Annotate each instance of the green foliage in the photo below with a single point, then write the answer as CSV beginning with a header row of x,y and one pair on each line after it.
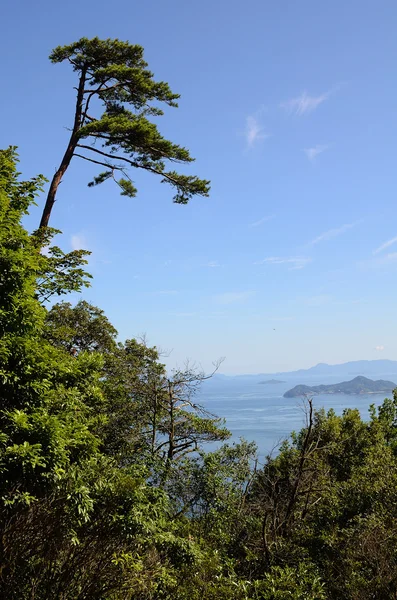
x,y
52,272
59,273
74,523
327,500
18,264
114,77
83,328
106,491
292,583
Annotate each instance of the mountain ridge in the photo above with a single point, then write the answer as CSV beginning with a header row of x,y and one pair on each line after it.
x,y
357,367
358,385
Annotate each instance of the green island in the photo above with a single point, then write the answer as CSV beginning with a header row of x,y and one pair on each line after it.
x,y
358,385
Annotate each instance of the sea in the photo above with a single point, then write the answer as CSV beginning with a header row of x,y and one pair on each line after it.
x,y
258,411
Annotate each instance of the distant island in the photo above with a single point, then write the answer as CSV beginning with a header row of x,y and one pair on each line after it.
x,y
375,369
271,381
358,385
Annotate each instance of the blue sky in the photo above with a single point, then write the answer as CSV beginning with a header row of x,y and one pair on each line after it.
x,y
290,109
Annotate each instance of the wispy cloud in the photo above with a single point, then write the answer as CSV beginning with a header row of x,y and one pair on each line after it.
x,y
213,264
261,221
254,131
386,259
331,233
378,262
304,104
78,241
311,153
379,348
233,297
385,245
295,262
389,258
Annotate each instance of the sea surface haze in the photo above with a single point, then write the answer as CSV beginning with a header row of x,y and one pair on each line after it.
x,y
258,411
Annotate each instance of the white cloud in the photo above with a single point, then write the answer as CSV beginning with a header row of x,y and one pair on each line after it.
x,y
311,153
331,233
304,104
387,259
379,348
254,131
213,264
79,242
233,297
295,262
385,245
392,257
261,221
380,261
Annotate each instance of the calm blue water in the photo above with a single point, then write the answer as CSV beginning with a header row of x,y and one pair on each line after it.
x,y
259,412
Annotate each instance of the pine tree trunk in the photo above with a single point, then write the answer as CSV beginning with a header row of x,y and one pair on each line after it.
x,y
74,138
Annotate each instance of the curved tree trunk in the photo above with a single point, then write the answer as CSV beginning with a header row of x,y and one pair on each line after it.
x,y
67,157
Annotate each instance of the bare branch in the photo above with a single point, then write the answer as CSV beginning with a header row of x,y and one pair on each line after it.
x,y
112,156
91,94
129,161
97,162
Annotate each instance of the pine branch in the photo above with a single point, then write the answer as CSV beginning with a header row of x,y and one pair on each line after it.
x,y
97,162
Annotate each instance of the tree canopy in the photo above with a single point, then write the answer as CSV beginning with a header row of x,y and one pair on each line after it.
x,y
107,488
107,492
117,99
79,515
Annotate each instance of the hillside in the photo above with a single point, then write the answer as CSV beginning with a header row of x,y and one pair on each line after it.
x,y
381,368
358,385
